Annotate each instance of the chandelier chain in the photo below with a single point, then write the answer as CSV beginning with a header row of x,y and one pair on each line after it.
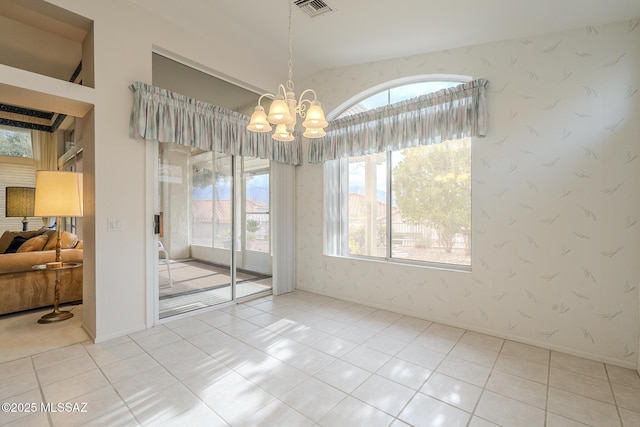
x,y
290,81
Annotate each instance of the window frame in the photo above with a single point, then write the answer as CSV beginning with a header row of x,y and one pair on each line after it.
x,y
336,176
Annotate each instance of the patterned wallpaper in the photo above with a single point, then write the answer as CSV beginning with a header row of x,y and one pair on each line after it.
x,y
556,244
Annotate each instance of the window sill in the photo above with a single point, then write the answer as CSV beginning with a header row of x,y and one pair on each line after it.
x,y
28,161
408,263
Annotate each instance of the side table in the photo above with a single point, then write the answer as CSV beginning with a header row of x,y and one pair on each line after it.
x,y
56,315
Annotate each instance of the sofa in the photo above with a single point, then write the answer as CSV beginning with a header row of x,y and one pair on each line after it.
x,y
22,287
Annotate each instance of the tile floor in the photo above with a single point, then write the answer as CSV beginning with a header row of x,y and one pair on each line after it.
x,y
26,337
308,360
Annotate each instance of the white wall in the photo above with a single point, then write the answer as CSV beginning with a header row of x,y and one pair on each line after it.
x,y
556,247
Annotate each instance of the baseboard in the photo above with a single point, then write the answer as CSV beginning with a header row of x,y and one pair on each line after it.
x,y
104,338
88,332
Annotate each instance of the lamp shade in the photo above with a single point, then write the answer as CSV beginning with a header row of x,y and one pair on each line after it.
x,y
258,122
58,193
315,117
282,134
314,133
279,113
19,201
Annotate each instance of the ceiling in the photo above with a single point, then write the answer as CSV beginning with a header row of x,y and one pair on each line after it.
x,y
361,31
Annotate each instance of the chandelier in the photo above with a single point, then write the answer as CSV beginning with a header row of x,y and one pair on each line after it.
x,y
285,108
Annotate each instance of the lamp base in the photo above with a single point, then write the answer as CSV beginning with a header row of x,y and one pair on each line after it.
x,y
55,316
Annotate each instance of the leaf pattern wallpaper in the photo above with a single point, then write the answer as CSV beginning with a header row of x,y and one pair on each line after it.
x,y
556,243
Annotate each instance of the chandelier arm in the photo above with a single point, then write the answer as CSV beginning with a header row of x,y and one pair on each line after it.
x,y
315,97
282,88
302,103
268,95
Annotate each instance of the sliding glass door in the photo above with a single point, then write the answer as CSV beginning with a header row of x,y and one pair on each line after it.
x,y
214,243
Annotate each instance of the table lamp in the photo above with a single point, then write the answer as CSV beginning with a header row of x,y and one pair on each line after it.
x,y
59,194
19,203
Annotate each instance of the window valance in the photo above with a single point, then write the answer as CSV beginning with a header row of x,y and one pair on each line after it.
x,y
160,115
452,113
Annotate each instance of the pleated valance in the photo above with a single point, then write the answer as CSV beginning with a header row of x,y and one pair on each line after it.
x,y
452,113
163,116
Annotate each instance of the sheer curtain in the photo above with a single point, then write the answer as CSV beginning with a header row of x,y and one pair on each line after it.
x,y
161,115
452,113
44,158
336,195
284,216
44,150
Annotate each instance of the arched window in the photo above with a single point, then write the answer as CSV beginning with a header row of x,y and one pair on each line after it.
x,y
411,205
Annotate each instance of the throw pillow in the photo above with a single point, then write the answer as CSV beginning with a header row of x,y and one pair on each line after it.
x,y
34,244
8,237
15,244
67,240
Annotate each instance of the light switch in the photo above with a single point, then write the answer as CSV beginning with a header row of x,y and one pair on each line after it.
x,y
114,224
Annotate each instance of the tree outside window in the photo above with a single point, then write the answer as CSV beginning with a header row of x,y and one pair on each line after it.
x,y
15,143
432,189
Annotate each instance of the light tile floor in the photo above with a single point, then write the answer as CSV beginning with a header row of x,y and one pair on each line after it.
x,y
308,360
21,335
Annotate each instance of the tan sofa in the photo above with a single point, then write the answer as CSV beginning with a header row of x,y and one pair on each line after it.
x,y
22,287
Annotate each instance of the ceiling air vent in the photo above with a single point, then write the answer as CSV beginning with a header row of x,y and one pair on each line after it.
x,y
313,7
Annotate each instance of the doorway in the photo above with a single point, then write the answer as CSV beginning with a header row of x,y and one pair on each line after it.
x,y
214,236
